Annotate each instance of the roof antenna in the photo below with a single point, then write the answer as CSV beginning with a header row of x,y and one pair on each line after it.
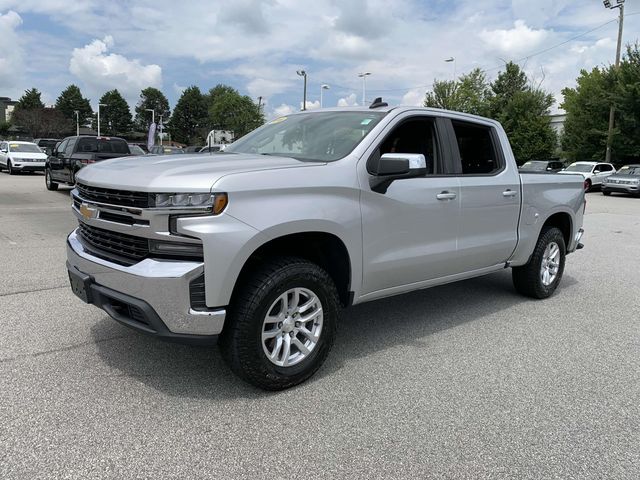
x,y
378,103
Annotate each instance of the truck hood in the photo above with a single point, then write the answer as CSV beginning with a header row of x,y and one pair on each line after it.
x,y
178,173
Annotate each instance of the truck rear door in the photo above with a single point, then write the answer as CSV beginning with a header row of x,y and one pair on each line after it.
x,y
489,194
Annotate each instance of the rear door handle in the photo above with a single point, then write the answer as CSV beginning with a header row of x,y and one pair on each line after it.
x,y
446,196
509,193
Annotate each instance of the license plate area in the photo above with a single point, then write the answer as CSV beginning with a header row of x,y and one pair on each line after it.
x,y
80,285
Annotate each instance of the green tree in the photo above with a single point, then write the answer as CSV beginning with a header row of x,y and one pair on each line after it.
x,y
154,99
29,100
523,111
70,101
189,119
228,110
115,117
468,94
587,106
626,97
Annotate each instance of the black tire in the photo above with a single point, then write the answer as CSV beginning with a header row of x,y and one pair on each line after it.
x,y
606,194
10,168
527,278
587,185
50,184
241,339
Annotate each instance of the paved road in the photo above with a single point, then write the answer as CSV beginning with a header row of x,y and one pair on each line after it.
x,y
463,381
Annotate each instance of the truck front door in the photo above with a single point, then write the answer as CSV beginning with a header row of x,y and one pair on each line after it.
x,y
410,231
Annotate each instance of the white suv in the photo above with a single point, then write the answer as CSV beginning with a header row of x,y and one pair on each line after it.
x,y
594,173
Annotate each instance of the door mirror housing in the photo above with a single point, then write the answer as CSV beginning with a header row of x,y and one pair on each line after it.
x,y
396,166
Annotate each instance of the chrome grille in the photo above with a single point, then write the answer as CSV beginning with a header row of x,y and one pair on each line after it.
x,y
125,198
114,246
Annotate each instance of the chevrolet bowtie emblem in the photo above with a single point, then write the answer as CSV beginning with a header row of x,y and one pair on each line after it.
x,y
88,211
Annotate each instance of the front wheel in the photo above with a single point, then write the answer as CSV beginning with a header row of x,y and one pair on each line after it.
x,y
50,184
540,277
281,324
10,168
587,185
606,194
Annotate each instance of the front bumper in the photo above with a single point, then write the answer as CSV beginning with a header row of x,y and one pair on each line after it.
x,y
621,188
28,166
151,296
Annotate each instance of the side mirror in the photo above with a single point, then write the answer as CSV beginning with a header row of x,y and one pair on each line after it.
x,y
596,171
395,166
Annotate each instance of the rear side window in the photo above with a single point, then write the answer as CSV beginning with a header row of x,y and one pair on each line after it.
x,y
477,151
604,167
102,145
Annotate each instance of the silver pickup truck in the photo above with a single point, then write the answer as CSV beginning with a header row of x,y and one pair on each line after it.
x,y
260,246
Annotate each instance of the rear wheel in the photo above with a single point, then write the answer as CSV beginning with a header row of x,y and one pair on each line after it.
x,y
540,277
606,194
50,184
281,324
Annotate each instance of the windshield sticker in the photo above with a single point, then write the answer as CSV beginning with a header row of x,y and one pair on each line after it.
x,y
366,121
14,145
277,120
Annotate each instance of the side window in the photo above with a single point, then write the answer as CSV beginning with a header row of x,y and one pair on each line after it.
x,y
70,146
62,146
3,146
415,135
477,151
605,168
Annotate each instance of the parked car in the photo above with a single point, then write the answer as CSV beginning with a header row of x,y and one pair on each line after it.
x,y
74,153
593,173
142,146
625,180
136,150
541,166
307,214
21,157
46,144
166,150
212,148
193,149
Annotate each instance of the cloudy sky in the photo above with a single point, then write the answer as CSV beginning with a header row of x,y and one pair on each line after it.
x,y
257,46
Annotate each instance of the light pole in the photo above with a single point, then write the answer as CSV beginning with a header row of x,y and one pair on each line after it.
x,y
303,74
364,76
77,122
450,60
620,5
100,105
153,120
323,87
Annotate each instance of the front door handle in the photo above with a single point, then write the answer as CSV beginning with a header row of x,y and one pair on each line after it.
x,y
446,196
509,193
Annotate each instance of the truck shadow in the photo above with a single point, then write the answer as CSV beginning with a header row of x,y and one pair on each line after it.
x,y
405,320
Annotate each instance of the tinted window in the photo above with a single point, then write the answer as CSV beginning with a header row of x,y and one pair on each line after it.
x,y
477,153
102,145
62,146
605,168
416,135
69,148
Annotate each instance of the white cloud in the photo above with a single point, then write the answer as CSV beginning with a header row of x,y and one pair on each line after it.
x,y
102,71
312,105
348,101
414,97
520,39
283,110
178,88
11,55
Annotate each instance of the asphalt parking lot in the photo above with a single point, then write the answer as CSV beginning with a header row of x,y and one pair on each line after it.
x,y
468,380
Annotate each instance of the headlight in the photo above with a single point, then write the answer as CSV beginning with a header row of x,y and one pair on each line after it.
x,y
215,203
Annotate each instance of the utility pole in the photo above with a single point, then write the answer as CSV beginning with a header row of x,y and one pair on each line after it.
x,y
77,122
619,5
260,103
364,76
100,105
323,87
303,74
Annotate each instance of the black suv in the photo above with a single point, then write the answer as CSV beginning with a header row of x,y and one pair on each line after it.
x,y
73,153
47,145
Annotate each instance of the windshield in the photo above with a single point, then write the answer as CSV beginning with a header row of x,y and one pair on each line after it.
x,y
629,170
537,166
320,136
136,150
47,143
102,145
24,147
576,167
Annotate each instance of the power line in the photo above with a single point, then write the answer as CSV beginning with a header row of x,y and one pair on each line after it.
x,y
534,54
